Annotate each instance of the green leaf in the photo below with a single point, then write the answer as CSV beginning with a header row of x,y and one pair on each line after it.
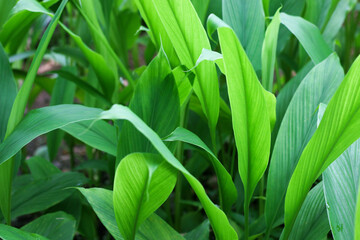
x,y
41,194
18,109
8,91
6,7
157,32
338,129
101,200
201,7
50,118
285,96
41,168
188,37
312,221
201,232
228,194
240,15
308,35
55,226
100,135
247,102
357,216
341,181
63,93
268,54
297,127
12,233
142,184
162,115
336,17
97,61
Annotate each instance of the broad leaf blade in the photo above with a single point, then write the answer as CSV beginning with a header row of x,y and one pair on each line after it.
x,y
240,15
338,129
312,221
341,181
308,35
142,184
55,226
183,26
297,127
228,194
247,102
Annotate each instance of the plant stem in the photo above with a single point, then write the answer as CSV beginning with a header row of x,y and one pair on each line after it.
x,y
246,215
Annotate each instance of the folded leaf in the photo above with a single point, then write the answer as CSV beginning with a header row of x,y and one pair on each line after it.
x,y
142,184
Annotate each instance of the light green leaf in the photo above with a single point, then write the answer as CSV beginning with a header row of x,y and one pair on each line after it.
x,y
268,54
297,127
12,233
247,102
18,109
157,32
228,194
50,118
188,37
201,7
338,129
247,19
162,115
308,35
154,228
55,226
142,184
341,181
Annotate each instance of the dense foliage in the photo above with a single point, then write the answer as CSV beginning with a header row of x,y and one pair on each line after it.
x,y
179,119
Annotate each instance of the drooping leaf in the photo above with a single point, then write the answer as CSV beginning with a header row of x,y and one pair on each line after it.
x,y
53,117
18,109
247,102
338,129
308,35
142,184
240,15
228,194
54,226
297,127
100,134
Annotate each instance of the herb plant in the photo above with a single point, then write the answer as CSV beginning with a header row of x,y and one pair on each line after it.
x,y
179,119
